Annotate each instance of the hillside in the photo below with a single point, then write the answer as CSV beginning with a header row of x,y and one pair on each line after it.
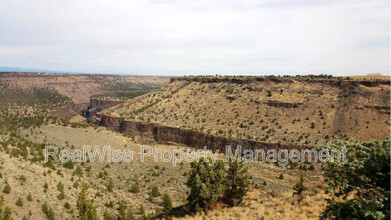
x,y
257,110
79,87
300,111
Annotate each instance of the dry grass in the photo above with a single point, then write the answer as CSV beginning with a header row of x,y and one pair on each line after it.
x,y
171,180
77,87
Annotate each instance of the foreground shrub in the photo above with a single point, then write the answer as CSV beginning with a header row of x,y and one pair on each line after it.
x,y
7,189
155,192
236,184
205,182
364,177
86,208
167,203
5,212
48,211
299,187
19,202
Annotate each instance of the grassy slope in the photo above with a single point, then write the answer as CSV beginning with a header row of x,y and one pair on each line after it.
x,y
240,111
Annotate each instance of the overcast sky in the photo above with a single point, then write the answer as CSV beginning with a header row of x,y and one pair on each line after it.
x,y
182,37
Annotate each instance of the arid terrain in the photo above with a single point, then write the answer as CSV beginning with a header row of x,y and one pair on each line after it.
x,y
125,112
287,111
80,87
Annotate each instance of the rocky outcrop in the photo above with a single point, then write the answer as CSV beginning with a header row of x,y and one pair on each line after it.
x,y
282,104
167,134
100,104
380,109
97,105
246,80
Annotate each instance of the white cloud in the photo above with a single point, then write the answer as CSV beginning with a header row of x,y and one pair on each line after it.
x,y
183,37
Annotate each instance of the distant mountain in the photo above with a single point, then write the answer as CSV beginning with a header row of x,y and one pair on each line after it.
x,y
18,69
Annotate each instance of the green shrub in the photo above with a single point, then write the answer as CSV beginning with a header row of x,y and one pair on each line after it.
x,y
29,197
48,211
19,202
167,203
78,171
86,207
299,187
135,188
110,186
236,183
69,164
205,182
5,212
365,174
141,210
108,216
155,192
7,189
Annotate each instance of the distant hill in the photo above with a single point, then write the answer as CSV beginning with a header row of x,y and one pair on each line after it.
x,y
17,69
79,87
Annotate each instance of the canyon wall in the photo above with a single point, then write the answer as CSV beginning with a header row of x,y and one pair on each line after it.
x,y
167,134
97,105
100,104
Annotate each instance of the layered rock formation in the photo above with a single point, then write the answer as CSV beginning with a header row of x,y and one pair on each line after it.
x,y
167,134
332,82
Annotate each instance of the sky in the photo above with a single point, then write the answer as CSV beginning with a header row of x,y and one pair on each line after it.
x,y
184,37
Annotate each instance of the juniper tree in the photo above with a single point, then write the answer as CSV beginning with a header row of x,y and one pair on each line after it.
x,y
167,203
205,182
5,212
7,188
299,187
155,192
236,184
110,186
86,208
48,211
365,175
121,211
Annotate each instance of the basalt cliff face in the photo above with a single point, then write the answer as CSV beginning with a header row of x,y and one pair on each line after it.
x,y
97,105
100,104
332,82
167,134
